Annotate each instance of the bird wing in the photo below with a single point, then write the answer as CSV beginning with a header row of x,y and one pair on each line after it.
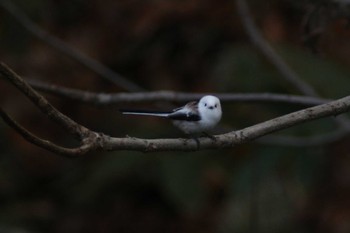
x,y
189,112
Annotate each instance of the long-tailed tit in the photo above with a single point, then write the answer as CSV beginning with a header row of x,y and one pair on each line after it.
x,y
194,117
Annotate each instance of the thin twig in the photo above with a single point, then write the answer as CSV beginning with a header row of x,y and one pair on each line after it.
x,y
47,145
265,48
103,99
70,51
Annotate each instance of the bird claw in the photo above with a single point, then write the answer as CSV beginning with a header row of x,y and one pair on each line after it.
x,y
197,142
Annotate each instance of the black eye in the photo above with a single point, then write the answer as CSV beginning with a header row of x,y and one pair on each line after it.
x,y
205,104
216,106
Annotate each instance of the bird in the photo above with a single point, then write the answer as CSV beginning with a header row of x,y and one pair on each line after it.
x,y
193,118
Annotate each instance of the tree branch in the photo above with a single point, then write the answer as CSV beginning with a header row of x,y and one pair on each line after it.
x,y
105,99
91,141
68,124
64,48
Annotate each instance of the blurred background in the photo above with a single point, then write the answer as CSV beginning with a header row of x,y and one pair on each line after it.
x,y
273,185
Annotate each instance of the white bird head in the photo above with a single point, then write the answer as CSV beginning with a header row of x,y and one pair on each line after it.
x,y
210,109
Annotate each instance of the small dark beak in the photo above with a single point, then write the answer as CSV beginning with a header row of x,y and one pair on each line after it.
x,y
211,107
